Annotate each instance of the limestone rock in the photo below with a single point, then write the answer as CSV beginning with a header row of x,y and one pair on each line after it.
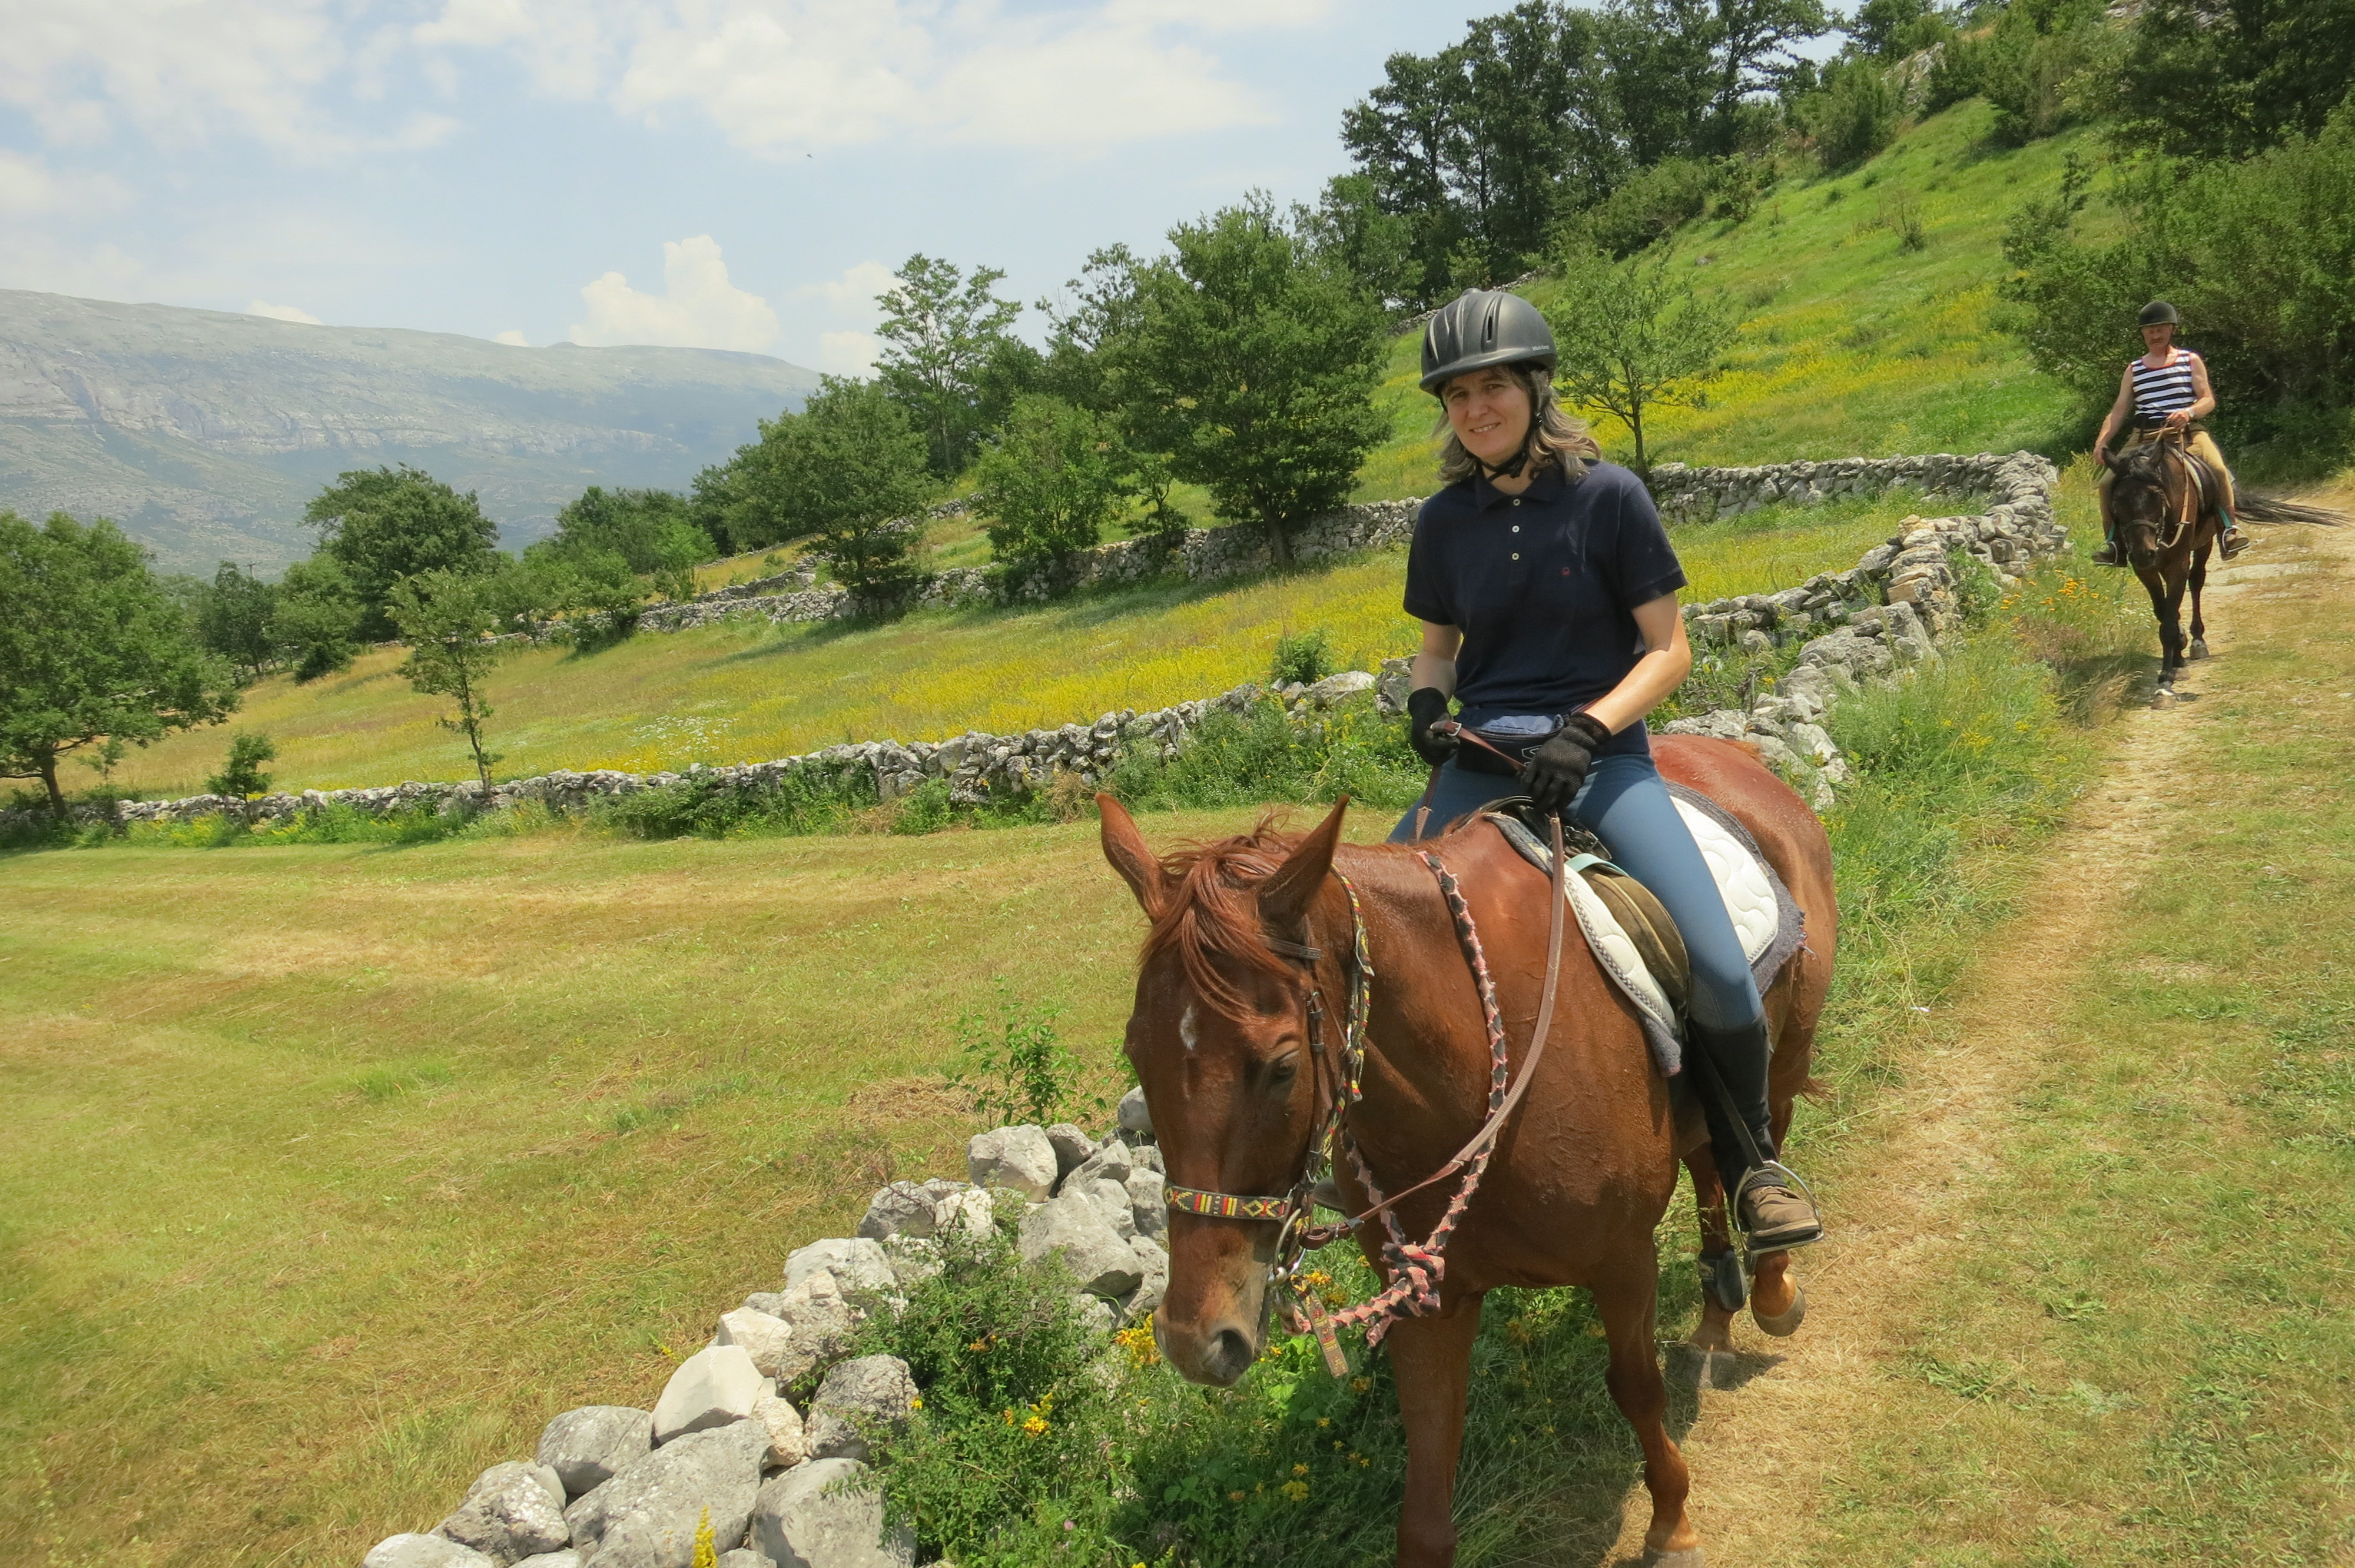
x,y
902,1209
645,1516
788,1446
967,1209
765,1338
713,1387
859,1265
1148,1208
1096,1313
565,1558
1333,688
509,1513
1153,1264
742,1557
822,1322
1071,1146
1112,1162
767,1301
1134,1115
859,1399
826,1514
1021,1158
585,1446
1111,1198
423,1552
1075,1230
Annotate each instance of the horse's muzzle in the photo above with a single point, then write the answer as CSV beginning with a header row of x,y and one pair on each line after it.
x,y
1217,1354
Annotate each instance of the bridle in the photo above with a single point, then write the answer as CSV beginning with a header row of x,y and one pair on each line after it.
x,y
1416,1269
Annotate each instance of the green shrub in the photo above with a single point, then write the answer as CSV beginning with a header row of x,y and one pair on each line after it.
x,y
1017,1069
1853,115
809,800
924,809
1303,656
1265,755
241,774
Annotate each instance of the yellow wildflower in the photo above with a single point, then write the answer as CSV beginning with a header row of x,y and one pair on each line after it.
x,y
1296,1491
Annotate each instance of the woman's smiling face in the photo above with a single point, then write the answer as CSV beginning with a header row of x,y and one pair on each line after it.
x,y
1490,412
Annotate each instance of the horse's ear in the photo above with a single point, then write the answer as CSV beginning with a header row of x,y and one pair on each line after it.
x,y
1284,896
1125,848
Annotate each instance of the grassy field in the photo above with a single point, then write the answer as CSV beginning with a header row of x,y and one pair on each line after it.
x,y
751,691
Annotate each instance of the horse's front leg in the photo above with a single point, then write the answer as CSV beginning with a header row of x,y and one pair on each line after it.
x,y
2198,581
1628,1297
2165,607
1432,1358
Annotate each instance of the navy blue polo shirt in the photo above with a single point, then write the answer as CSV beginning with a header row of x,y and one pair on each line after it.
x,y
1543,585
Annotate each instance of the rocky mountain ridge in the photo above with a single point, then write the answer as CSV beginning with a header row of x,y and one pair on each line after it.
x,y
204,433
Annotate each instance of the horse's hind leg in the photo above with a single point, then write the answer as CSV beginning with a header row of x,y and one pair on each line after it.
x,y
1722,1290
1626,1295
2198,581
1433,1357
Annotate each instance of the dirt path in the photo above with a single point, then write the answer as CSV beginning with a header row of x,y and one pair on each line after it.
x,y
1773,1439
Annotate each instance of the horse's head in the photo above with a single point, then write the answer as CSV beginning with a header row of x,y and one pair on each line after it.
x,y
2139,504
1220,1041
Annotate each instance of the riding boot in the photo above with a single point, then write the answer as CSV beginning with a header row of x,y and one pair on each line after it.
x,y
2234,541
2109,554
1769,1205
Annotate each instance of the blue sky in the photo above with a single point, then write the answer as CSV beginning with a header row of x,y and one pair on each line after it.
x,y
731,173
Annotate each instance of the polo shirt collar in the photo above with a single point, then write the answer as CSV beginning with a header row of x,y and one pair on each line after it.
x,y
1545,486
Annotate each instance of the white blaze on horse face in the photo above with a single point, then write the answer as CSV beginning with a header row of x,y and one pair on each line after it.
x,y
1186,1030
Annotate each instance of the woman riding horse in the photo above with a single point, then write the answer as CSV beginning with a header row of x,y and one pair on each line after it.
x,y
1547,589
2164,392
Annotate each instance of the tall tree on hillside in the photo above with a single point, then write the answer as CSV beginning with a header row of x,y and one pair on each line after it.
x,y
1634,336
233,619
314,623
943,334
651,531
1054,477
1252,361
448,620
386,524
92,650
2228,78
848,471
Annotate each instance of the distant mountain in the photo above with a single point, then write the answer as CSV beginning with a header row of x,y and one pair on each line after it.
x,y
204,433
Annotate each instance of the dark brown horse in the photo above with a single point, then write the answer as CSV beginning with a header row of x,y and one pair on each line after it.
x,y
1222,1038
2166,523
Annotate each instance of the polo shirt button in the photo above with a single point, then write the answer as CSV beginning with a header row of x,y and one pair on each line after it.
x,y
1517,554
1517,527
1517,501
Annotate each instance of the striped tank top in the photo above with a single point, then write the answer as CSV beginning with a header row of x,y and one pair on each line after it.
x,y
2159,393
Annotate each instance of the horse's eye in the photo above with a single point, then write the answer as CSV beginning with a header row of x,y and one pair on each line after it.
x,y
1284,1072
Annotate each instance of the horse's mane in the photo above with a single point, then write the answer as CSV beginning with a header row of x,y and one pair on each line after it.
x,y
1211,909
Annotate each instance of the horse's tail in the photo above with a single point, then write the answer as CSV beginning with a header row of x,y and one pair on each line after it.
x,y
2252,508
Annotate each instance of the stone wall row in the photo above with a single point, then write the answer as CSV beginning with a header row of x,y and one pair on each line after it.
x,y
1883,614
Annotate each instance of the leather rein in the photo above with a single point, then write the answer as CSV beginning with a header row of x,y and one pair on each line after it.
x,y
1416,1269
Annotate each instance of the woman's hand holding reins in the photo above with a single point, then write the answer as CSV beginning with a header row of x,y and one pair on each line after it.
x,y
1425,706
1559,767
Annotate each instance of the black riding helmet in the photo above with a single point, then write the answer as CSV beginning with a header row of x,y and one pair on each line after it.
x,y
1484,327
2158,313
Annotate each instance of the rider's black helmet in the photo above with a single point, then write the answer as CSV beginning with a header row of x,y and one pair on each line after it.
x,y
2158,313
1484,327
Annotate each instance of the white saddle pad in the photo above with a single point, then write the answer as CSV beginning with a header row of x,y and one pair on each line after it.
x,y
1742,882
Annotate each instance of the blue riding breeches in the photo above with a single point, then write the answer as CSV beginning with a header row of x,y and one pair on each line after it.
x,y
1624,803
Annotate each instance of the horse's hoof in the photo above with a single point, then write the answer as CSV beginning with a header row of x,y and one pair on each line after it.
x,y
2163,698
1783,1325
1690,1557
2199,649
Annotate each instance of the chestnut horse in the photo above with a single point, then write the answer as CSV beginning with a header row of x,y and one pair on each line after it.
x,y
2167,526
1222,1038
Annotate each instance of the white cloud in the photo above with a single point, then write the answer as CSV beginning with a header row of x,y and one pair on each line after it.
x,y
283,313
513,339
848,353
700,308
29,186
853,294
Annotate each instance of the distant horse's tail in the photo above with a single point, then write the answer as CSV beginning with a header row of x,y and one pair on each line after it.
x,y
2252,508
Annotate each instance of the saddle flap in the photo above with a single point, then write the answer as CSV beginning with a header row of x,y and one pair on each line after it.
x,y
1645,920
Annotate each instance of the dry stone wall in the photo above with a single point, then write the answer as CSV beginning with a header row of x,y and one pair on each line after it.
x,y
1881,615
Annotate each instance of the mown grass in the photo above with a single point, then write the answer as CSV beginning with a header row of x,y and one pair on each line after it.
x,y
747,690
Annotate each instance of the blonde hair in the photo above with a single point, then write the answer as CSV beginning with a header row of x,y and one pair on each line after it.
x,y
1554,436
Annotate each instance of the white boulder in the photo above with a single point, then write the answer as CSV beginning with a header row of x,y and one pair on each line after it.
x,y
714,1387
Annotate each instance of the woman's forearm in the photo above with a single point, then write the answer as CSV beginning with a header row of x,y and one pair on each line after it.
x,y
1431,670
1655,676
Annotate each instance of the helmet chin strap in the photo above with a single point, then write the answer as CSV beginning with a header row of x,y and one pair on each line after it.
x,y
1520,459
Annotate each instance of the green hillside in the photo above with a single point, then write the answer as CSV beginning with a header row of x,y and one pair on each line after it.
x,y
1855,346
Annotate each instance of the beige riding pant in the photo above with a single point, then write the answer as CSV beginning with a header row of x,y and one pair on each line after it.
x,y
2197,442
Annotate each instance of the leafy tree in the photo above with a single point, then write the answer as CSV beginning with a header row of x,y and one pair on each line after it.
x,y
1349,226
388,523
1894,29
2229,77
315,622
448,620
1633,336
943,334
651,531
233,617
91,649
1854,114
1251,361
1056,475
241,775
849,470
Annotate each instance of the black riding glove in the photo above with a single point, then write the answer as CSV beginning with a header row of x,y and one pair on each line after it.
x,y
1425,706
1559,767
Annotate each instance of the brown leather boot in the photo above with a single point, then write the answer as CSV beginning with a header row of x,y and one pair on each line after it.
x,y
2108,555
2233,542
1775,1214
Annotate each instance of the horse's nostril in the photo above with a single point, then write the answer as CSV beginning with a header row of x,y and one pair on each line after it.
x,y
1231,1354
